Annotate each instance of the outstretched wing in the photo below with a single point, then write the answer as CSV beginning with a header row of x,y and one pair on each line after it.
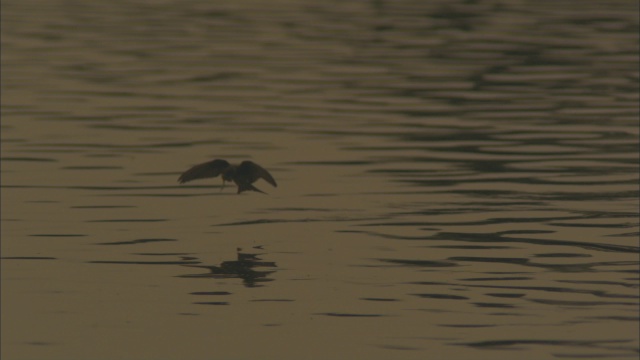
x,y
206,170
249,172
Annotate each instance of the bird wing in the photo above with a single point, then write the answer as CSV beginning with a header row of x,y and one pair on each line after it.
x,y
206,170
252,172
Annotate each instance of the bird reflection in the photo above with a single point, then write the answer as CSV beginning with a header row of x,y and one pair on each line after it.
x,y
242,268
243,175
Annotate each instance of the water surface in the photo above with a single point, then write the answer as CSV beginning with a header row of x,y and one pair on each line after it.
x,y
455,180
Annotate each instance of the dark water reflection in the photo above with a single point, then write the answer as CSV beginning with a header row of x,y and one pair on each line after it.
x,y
245,267
455,177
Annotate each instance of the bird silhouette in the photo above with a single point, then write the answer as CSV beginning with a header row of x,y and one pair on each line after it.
x,y
242,175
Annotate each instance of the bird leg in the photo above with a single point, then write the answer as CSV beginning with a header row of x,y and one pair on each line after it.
x,y
222,185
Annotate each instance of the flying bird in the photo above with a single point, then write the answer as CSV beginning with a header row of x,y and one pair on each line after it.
x,y
242,175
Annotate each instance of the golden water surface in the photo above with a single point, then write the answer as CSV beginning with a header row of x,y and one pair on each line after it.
x,y
456,179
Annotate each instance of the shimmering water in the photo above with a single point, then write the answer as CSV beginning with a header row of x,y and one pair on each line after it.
x,y
457,179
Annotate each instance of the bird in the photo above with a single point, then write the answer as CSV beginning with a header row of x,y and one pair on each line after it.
x,y
242,175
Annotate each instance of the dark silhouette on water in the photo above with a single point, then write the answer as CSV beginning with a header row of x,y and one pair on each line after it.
x,y
248,267
242,175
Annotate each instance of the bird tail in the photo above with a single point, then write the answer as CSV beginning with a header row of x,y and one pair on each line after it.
x,y
248,187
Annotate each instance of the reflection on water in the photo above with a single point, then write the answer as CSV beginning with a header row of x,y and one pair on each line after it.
x,y
456,178
242,268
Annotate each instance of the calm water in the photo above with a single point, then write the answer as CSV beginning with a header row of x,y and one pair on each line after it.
x,y
457,179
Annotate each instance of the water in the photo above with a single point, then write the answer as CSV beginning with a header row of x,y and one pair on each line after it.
x,y
456,180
